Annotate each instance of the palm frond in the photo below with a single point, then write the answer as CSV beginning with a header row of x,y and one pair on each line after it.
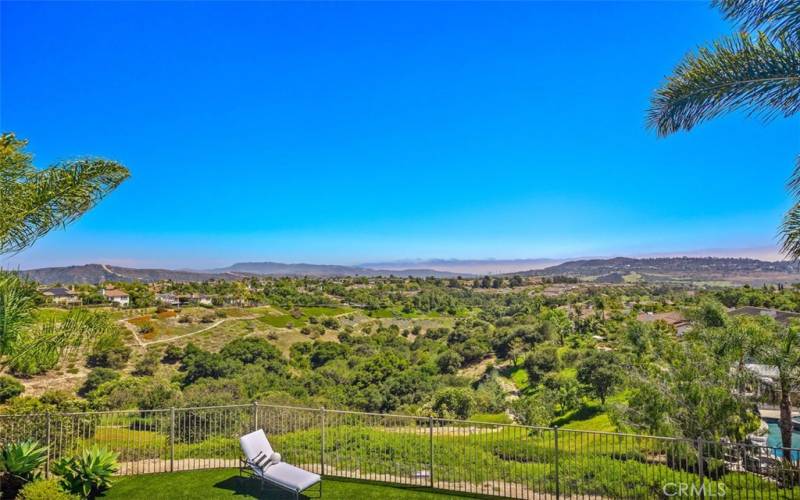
x,y
790,233
757,75
16,309
39,201
777,18
49,340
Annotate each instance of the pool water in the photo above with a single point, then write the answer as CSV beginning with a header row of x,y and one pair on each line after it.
x,y
774,439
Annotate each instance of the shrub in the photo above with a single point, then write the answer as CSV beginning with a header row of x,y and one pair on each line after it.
x,y
109,351
453,403
172,354
204,364
45,489
208,318
146,328
9,388
185,318
96,378
449,362
20,463
251,350
331,323
148,364
532,410
89,473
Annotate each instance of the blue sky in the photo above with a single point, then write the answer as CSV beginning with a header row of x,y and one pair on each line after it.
x,y
350,132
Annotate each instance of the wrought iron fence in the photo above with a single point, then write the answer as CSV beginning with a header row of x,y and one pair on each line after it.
x,y
504,460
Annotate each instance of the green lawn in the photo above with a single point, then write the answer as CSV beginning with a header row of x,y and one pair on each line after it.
x,y
226,483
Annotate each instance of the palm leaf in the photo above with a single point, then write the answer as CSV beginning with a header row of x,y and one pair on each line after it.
x,y
777,18
758,75
36,201
16,309
790,232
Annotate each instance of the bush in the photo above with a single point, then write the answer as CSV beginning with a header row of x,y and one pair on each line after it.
x,y
96,378
453,403
331,323
147,328
172,354
109,351
45,489
208,318
185,318
20,463
449,362
9,388
251,350
148,364
89,473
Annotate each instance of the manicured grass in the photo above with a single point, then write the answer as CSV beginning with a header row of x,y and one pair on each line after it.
x,y
226,483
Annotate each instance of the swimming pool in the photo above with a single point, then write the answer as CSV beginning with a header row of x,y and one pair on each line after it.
x,y
774,439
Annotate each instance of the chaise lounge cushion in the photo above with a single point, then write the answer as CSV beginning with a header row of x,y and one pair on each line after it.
x,y
289,476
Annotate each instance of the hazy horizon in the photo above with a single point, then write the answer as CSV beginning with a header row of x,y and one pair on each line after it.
x,y
488,265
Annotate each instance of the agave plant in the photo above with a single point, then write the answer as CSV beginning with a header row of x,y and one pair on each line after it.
x,y
20,463
89,473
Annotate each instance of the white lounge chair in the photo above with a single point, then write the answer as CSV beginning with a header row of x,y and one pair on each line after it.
x,y
266,465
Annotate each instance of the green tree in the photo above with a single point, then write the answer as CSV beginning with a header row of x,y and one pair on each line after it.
x,y
757,71
601,371
37,201
540,362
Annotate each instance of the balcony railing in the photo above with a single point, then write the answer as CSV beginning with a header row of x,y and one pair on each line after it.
x,y
504,460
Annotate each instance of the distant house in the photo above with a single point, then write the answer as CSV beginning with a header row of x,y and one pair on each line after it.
x,y
118,297
168,299
195,298
780,316
673,318
62,296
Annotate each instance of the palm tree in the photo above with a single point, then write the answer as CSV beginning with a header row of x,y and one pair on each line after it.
x,y
33,203
757,71
26,341
36,201
783,352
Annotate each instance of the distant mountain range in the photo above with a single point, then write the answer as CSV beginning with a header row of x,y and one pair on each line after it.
x,y
467,267
735,270
659,269
325,270
99,273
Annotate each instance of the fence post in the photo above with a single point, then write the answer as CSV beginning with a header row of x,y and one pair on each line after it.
x,y
255,415
700,466
172,439
47,464
430,437
558,483
322,440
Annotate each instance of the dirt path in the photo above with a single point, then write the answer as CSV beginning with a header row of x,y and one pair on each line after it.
x,y
133,330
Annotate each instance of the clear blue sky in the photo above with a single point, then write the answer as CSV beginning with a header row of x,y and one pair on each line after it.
x,y
348,132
